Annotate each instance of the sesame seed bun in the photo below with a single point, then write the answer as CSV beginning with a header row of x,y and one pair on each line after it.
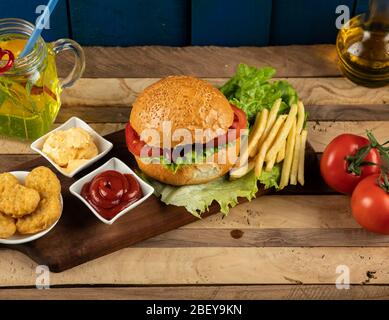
x,y
189,103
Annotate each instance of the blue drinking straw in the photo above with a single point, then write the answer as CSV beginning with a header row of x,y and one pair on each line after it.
x,y
38,28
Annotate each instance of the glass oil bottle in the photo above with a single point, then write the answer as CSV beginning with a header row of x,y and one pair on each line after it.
x,y
363,46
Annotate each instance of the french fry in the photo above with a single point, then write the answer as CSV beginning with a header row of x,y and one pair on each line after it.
x,y
300,174
295,161
300,117
296,154
283,134
259,128
267,143
269,125
285,174
255,135
270,164
281,153
242,171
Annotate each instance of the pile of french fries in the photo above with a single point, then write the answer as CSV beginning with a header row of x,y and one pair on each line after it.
x,y
274,139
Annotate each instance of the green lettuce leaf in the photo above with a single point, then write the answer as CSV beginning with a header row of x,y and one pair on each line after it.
x,y
250,90
197,198
270,179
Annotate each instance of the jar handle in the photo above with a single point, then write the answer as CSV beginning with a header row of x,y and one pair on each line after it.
x,y
79,65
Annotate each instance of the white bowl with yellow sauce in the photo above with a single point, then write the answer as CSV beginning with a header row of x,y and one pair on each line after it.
x,y
73,166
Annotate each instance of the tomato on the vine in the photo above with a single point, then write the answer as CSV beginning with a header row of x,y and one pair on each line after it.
x,y
370,203
347,160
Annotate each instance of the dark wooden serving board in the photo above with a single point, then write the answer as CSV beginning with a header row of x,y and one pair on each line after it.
x,y
80,237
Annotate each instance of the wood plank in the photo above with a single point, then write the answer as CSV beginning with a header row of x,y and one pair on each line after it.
x,y
116,92
9,161
284,237
354,112
157,61
252,16
225,292
266,212
115,114
137,266
96,114
320,133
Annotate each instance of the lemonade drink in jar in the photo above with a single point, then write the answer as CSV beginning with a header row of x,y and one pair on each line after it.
x,y
30,90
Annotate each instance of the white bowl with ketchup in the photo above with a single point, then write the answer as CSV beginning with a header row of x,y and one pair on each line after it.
x,y
111,190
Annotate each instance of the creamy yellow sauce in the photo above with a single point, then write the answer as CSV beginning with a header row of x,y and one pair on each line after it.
x,y
70,148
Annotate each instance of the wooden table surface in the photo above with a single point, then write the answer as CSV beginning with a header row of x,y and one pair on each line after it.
x,y
281,246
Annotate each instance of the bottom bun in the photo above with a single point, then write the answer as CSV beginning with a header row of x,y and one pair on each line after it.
x,y
192,173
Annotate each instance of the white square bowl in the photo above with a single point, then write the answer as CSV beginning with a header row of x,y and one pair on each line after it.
x,y
103,145
117,165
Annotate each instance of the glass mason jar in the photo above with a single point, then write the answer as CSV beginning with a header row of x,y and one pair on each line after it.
x,y
363,46
30,90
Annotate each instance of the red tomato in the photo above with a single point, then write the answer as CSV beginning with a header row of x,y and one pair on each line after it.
x,y
370,205
334,166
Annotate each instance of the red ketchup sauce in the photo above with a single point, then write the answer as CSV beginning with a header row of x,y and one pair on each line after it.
x,y
110,192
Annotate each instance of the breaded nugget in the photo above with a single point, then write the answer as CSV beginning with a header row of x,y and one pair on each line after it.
x,y
45,215
17,200
7,226
44,181
7,180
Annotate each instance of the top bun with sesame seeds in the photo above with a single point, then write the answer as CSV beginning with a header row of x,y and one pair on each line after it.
x,y
188,103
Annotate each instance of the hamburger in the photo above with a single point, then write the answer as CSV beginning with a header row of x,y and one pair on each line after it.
x,y
183,131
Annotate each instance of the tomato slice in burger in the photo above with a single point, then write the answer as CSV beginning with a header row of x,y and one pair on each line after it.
x,y
134,144
239,123
240,120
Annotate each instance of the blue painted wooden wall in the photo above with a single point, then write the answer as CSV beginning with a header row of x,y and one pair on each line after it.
x,y
304,21
235,23
135,22
189,22
361,6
